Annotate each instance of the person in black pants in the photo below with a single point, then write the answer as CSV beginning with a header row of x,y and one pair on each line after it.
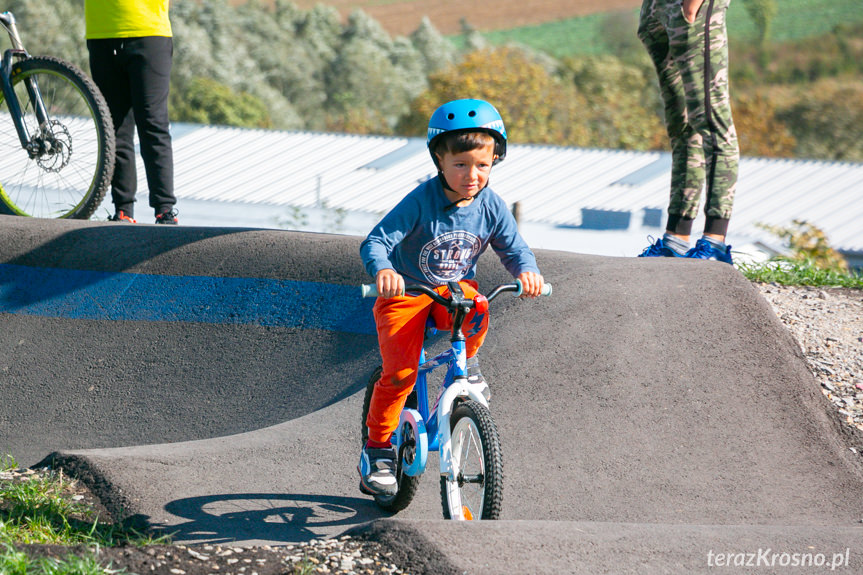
x,y
133,74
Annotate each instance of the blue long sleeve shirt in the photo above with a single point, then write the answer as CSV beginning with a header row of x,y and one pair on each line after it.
x,y
428,244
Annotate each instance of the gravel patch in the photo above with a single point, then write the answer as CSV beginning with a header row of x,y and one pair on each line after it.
x,y
828,325
826,322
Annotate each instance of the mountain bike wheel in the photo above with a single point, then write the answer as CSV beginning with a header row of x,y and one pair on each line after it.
x,y
477,459
70,162
407,485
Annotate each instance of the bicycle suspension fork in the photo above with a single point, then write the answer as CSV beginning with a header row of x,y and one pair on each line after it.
x,y
18,52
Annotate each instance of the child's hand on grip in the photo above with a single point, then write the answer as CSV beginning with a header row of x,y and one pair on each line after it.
x,y
389,283
531,284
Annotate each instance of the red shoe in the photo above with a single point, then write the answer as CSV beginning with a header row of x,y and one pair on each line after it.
x,y
122,216
169,217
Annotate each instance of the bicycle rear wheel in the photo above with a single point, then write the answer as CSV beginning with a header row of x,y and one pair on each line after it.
x,y
407,485
70,162
477,459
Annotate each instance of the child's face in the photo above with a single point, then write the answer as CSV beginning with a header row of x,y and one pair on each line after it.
x,y
467,172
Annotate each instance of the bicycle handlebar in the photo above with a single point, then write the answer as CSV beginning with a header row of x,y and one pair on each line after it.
x,y
371,290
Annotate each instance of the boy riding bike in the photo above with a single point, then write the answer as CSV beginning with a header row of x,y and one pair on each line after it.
x,y
435,235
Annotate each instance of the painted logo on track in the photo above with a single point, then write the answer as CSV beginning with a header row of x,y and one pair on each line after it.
x,y
448,257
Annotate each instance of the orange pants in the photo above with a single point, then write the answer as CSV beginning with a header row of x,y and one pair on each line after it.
x,y
401,325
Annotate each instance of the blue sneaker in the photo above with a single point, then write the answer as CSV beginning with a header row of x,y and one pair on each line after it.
x,y
659,250
377,470
704,250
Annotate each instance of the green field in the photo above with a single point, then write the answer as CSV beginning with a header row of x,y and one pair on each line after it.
x,y
595,34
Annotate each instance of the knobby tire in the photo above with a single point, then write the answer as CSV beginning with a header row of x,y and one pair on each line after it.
x,y
475,435
70,179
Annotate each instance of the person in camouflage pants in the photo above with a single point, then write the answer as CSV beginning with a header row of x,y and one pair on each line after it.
x,y
688,43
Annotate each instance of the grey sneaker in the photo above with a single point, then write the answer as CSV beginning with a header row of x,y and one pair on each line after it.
x,y
377,470
474,375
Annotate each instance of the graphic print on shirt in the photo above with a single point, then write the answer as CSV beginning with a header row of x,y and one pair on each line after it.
x,y
448,257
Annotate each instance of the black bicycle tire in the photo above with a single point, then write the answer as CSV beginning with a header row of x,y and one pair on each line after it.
x,y
103,171
492,459
407,485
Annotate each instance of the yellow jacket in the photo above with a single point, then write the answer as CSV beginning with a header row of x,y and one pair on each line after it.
x,y
126,18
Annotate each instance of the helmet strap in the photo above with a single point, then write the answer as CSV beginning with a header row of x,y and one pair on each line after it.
x,y
446,186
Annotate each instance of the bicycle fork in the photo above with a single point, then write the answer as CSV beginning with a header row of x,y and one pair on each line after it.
x,y
17,51
459,389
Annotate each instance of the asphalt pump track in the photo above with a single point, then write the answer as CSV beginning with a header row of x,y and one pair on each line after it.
x,y
656,417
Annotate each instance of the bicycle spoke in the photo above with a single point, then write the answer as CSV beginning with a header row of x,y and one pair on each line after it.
x,y
66,168
468,468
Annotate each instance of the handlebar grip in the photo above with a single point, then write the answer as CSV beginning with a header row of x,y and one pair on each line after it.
x,y
369,290
546,288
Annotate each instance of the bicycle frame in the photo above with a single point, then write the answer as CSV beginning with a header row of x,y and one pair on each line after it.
x,y
7,20
431,427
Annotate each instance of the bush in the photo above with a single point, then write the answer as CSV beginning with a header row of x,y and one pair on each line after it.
x,y
206,101
809,245
826,121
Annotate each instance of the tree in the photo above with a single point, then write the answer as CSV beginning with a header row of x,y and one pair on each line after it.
x,y
372,78
52,28
436,51
762,13
473,39
759,131
361,78
621,102
292,82
535,105
825,120
620,34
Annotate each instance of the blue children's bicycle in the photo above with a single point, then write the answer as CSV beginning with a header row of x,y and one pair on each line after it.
x,y
459,424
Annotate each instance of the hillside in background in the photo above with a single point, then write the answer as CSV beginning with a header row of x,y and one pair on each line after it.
x,y
402,17
568,81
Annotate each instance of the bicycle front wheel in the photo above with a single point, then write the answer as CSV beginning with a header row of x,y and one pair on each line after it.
x,y
476,492
67,164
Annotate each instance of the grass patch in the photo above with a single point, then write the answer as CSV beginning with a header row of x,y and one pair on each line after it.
x,y
13,562
41,508
602,33
799,272
583,36
7,462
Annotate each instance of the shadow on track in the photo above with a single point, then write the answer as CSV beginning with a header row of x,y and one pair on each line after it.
x,y
271,517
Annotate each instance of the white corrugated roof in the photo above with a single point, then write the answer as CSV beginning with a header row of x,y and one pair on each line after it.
x,y
553,184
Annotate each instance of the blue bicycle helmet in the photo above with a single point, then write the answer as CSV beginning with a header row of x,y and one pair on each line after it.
x,y
467,116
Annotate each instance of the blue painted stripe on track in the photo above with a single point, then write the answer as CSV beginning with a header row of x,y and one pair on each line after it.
x,y
116,296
